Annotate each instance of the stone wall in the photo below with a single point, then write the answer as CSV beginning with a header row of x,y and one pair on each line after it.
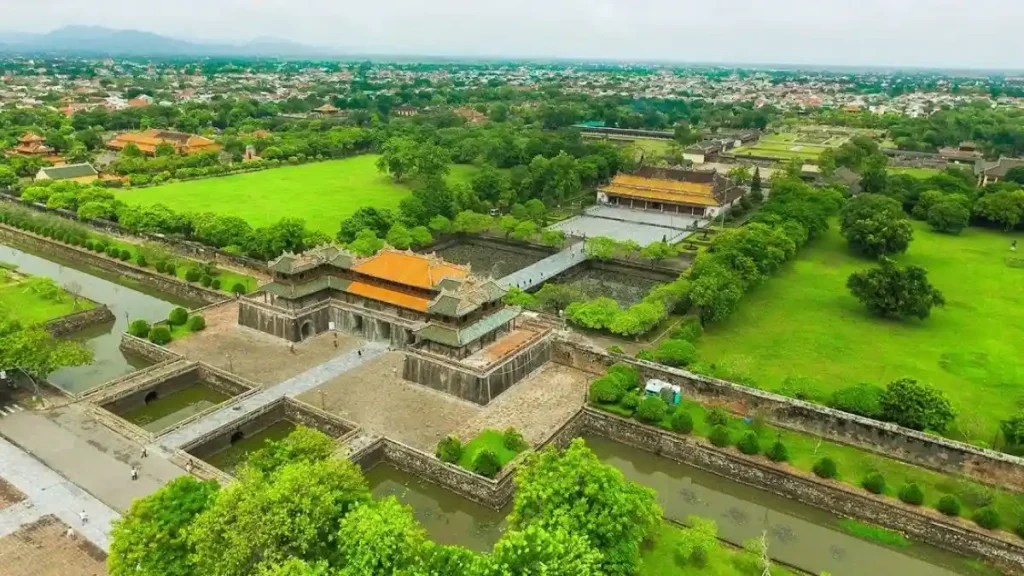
x,y
151,278
146,349
224,381
161,385
78,321
316,319
920,524
910,446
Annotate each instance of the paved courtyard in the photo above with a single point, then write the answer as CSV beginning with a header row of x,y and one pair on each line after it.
x,y
622,224
260,357
41,548
9,494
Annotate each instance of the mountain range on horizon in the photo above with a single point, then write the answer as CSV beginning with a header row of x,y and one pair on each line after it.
x,y
101,41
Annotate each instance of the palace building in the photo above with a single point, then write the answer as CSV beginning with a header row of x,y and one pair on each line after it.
x,y
148,140
458,335
30,144
666,190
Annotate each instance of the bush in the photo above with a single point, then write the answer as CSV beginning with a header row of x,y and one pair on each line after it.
x,y
238,288
193,275
717,416
630,401
449,450
690,330
605,390
171,270
141,260
652,409
917,406
125,255
89,245
205,281
215,284
1019,529
861,399
720,436
675,353
825,468
681,422
778,452
874,483
139,328
161,266
177,317
949,505
615,349
513,440
113,251
486,464
912,494
626,375
160,335
196,324
699,557
749,443
987,517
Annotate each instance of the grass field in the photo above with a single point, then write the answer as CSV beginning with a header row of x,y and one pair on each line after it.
x,y
921,173
487,440
321,193
804,323
659,558
19,303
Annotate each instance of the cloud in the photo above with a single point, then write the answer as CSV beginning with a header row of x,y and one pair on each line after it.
x,y
944,33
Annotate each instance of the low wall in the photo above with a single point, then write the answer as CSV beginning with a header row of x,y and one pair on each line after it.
x,y
890,440
224,381
146,349
78,321
151,278
920,524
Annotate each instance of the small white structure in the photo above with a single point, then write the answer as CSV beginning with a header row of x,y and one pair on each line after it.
x,y
654,387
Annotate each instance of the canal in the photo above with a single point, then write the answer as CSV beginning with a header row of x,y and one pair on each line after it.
x,y
798,535
127,300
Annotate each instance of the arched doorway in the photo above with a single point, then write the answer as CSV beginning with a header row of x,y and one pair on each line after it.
x,y
236,437
357,324
151,396
307,330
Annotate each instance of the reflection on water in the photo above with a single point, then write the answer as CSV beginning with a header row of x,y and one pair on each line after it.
x,y
229,458
167,411
125,303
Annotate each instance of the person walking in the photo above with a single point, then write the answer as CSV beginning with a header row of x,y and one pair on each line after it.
x,y
144,452
135,474
84,517
1013,246
188,466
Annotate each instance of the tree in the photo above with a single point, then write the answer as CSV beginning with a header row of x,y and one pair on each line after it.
x,y
421,237
1015,174
916,406
376,219
525,231
573,491
1004,207
366,243
715,292
755,184
151,538
601,247
537,211
508,224
893,292
38,354
949,216
302,445
440,225
7,177
468,222
397,158
740,175
536,550
876,225
164,149
596,314
399,237
657,251
380,538
551,237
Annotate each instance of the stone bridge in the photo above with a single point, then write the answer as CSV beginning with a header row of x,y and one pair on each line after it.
x,y
540,272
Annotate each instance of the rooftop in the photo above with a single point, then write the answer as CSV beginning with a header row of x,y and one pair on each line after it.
x,y
69,171
409,269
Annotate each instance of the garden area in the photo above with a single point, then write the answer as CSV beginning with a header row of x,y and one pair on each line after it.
x,y
321,193
801,333
486,454
31,300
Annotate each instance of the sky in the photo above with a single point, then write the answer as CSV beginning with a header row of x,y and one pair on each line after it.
x,y
918,33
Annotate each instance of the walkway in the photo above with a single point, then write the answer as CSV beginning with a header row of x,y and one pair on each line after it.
x,y
46,493
302,383
540,272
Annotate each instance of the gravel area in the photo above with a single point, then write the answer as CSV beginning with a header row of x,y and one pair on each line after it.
x,y
9,494
43,548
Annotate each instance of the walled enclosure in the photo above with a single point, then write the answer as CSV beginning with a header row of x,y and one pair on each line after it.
x,y
281,409
161,385
890,440
77,321
376,325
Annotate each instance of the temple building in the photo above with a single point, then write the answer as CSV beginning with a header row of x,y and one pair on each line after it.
x,y
147,142
30,144
456,331
690,192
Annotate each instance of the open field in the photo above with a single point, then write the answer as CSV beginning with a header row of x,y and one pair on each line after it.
x,y
22,304
321,193
921,173
789,145
804,323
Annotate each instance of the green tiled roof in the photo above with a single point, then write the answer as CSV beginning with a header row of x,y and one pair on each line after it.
x,y
456,338
292,292
464,298
69,171
329,255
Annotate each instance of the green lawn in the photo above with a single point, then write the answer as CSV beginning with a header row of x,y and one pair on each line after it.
x,y
486,440
659,558
321,193
921,173
21,304
804,323
227,278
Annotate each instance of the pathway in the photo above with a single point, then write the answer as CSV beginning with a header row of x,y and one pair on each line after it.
x,y
46,493
546,269
293,387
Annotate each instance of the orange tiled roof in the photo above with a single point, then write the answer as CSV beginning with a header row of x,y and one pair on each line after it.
x,y
662,190
388,296
409,269
662,196
29,137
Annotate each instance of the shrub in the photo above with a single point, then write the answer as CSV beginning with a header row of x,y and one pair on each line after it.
x,y
626,375
861,399
125,255
874,483
987,517
1019,529
513,440
749,443
778,452
605,390
196,324
630,401
720,436
825,468
171,270
717,416
193,275
113,251
699,557
675,353
949,505
645,354
917,406
449,450
89,245
139,328
238,288
177,317
799,387
486,464
141,260
215,284
652,409
689,330
205,281
681,422
911,494
161,266
160,335
615,349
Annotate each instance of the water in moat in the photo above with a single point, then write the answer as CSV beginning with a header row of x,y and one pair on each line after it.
x,y
126,299
799,535
229,458
166,411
